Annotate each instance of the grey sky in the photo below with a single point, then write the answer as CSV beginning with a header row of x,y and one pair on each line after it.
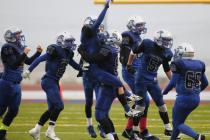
x,y
41,20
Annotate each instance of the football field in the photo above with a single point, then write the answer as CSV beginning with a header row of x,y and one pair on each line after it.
x,y
71,124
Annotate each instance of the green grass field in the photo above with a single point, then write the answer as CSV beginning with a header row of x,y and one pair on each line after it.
x,y
71,124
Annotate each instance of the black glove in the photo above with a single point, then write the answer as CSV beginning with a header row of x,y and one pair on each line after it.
x,y
81,50
80,74
130,69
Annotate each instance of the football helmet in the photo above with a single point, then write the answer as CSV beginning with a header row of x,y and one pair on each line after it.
x,y
184,51
14,35
163,38
90,20
111,37
66,40
137,25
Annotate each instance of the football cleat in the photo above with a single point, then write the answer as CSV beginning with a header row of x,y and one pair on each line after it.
x,y
133,98
101,131
135,135
133,113
148,136
34,133
51,135
168,132
200,137
127,133
91,131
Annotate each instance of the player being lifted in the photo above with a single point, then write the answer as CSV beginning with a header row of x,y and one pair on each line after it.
x,y
90,45
131,39
189,79
154,53
57,57
14,56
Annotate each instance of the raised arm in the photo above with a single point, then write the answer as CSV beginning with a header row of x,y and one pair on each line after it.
x,y
101,16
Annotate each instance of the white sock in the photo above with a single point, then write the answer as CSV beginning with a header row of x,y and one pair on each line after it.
x,y
109,136
38,127
168,126
51,127
136,128
89,121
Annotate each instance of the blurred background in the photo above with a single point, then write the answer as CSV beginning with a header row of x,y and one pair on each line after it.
x,y
41,20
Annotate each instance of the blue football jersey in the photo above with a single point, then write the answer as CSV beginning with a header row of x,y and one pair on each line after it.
x,y
190,73
152,57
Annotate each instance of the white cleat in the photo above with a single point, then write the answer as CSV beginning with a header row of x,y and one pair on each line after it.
x,y
51,135
34,133
133,113
133,98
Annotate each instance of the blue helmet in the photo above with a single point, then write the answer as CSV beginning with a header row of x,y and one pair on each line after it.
x,y
66,40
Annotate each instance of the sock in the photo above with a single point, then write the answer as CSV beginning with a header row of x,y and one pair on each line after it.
x,y
129,123
52,123
168,126
89,121
44,118
2,134
38,127
164,117
136,123
143,124
50,127
187,130
105,124
112,126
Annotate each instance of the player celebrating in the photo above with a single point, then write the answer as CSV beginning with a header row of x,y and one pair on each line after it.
x,y
106,59
13,55
132,39
57,57
189,79
154,53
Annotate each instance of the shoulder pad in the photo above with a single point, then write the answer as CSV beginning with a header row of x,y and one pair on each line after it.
x,y
104,51
174,66
51,50
7,49
169,55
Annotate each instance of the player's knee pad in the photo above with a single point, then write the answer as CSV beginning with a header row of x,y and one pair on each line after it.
x,y
100,115
140,108
162,108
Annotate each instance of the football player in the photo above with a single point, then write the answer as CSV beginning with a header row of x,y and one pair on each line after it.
x,y
189,79
14,55
57,58
107,59
154,53
131,39
92,25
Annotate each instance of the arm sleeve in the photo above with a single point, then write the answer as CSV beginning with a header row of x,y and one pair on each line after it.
x,y
100,18
75,65
37,61
171,84
166,66
138,48
204,82
28,60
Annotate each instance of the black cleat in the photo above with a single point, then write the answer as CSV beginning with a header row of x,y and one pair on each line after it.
x,y
135,135
200,137
91,131
168,132
101,131
147,136
127,133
